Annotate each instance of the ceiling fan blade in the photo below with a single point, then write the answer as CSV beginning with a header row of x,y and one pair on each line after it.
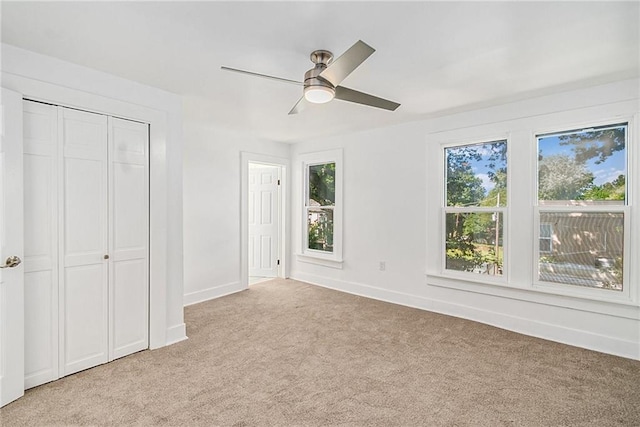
x,y
300,105
251,73
346,94
339,69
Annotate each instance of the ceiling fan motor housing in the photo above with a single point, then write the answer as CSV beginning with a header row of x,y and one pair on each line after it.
x,y
318,90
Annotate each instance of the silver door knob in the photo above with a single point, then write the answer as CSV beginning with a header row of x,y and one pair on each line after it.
x,y
12,261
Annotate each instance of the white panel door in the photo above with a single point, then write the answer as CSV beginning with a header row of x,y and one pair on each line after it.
x,y
83,246
40,124
263,221
11,245
129,237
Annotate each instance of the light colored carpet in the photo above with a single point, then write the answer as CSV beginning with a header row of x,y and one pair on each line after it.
x,y
253,280
286,353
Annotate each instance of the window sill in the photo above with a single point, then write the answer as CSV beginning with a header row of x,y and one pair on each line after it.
x,y
620,307
325,262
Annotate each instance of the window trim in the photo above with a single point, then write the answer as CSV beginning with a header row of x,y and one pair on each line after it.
x,y
329,259
521,133
444,210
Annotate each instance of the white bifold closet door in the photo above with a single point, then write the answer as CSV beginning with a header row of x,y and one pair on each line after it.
x,y
86,224
83,247
40,135
128,237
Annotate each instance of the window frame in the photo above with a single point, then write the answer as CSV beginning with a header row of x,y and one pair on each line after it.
x,y
628,294
330,259
502,279
522,222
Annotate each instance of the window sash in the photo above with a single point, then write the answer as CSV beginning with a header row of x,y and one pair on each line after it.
x,y
503,212
445,161
307,193
573,289
627,174
308,211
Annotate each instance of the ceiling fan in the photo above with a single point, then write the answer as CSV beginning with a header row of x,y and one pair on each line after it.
x,y
321,83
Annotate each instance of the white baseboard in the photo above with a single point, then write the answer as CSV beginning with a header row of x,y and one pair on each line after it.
x,y
211,293
535,328
176,333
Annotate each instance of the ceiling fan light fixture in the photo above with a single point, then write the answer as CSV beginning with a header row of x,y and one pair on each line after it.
x,y
319,94
322,82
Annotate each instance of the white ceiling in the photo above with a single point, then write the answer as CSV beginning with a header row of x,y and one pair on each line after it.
x,y
432,57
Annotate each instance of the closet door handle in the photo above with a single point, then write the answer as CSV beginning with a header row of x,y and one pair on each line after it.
x,y
106,257
12,261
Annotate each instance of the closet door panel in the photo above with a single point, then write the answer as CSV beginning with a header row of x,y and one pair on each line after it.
x,y
39,202
40,159
85,303
84,278
40,329
130,301
129,208
85,211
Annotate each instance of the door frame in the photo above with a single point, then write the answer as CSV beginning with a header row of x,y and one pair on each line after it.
x,y
160,333
284,219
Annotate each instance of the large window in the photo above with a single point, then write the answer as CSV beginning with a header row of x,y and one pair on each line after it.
x,y
322,205
475,207
582,204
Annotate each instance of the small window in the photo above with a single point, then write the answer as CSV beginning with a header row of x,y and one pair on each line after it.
x,y
322,205
475,207
321,201
582,197
546,242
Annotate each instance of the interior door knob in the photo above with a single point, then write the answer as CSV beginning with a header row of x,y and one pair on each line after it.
x,y
106,257
12,261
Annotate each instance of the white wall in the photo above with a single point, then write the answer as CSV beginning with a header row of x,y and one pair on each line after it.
x,y
212,206
48,79
384,209
392,208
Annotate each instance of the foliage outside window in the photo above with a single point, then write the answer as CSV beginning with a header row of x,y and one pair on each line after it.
x,y
320,203
582,195
475,207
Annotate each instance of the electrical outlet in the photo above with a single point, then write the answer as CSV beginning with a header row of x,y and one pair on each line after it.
x,y
383,265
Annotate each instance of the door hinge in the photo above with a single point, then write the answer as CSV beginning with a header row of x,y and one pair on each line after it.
x,y
278,263
278,182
